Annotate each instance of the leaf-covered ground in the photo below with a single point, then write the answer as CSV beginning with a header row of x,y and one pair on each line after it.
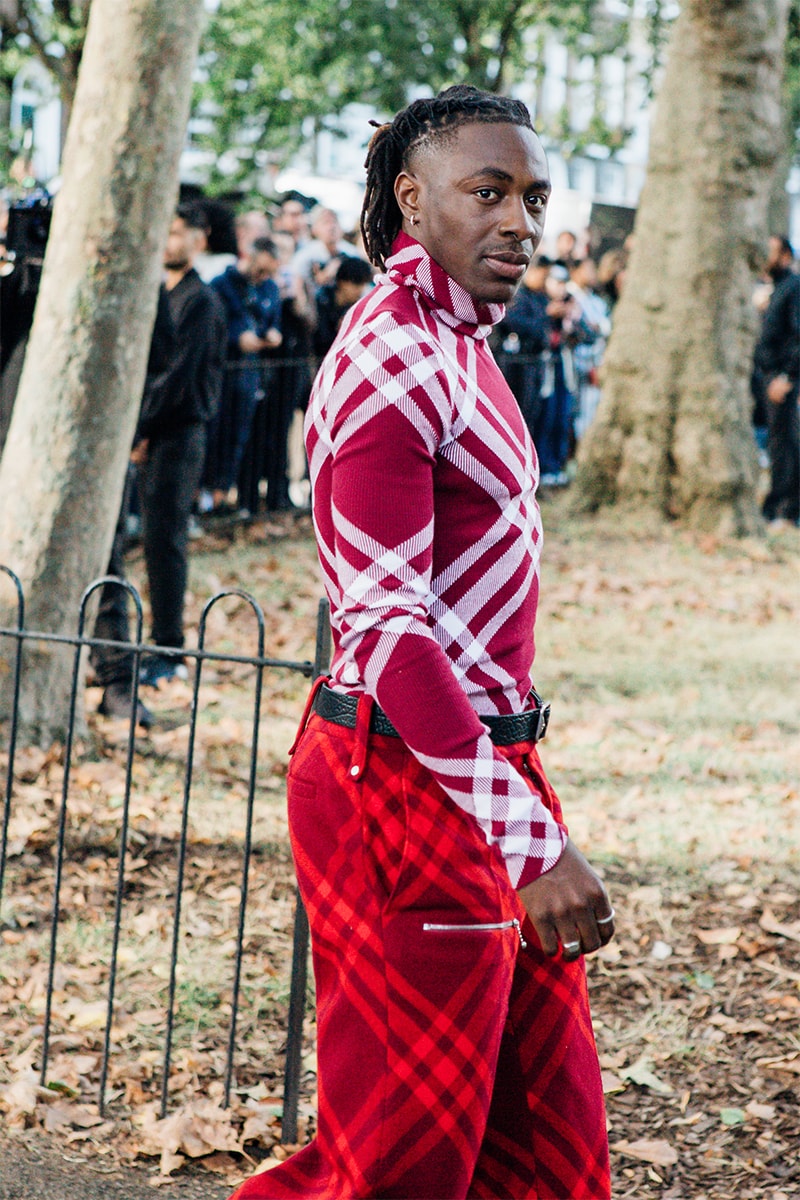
x,y
673,666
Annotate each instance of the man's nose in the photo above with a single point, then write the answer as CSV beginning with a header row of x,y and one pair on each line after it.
x,y
518,220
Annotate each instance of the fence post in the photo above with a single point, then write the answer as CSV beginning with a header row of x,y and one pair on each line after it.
x,y
297,995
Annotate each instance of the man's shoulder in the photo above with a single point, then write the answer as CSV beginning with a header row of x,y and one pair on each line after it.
x,y
196,301
192,290
386,318
224,277
228,285
787,285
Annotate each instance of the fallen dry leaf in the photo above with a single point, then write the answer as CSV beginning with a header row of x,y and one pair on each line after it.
x,y
656,1151
770,924
612,1083
719,937
762,1112
641,1073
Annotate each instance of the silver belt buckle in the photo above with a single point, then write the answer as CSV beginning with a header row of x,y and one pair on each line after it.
x,y
542,716
543,720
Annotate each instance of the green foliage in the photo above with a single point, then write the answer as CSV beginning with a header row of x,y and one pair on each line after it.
x,y
792,80
51,30
273,71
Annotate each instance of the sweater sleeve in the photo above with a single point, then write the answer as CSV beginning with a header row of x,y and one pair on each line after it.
x,y
391,412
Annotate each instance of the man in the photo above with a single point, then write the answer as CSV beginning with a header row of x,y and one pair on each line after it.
x,y
590,348
292,217
318,260
455,1049
353,279
248,226
171,437
566,248
526,327
777,363
252,303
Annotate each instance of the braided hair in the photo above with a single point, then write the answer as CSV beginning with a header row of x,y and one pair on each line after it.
x,y
392,145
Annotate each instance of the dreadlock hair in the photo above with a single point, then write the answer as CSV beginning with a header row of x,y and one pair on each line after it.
x,y
392,145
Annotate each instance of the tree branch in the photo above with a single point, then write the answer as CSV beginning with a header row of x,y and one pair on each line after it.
x,y
508,30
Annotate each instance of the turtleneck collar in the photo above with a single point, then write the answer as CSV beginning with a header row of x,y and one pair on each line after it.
x,y
411,266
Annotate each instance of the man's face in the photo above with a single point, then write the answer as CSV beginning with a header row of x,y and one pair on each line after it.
x,y
261,266
327,228
349,293
293,218
565,244
585,274
480,197
777,258
181,245
535,277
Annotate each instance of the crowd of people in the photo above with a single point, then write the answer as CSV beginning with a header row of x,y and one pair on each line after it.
x,y
552,342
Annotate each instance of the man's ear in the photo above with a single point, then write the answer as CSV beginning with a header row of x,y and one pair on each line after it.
x,y
406,193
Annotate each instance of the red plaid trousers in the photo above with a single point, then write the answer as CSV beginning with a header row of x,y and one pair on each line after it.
x,y
452,1062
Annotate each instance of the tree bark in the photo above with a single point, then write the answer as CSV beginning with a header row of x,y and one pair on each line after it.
x,y
63,469
673,433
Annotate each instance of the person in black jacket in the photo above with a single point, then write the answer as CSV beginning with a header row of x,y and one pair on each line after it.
x,y
113,666
353,278
171,436
777,362
526,332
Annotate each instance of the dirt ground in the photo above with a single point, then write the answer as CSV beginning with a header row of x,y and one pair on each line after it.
x,y
673,664
32,1167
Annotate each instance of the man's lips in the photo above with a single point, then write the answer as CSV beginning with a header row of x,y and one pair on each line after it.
x,y
508,265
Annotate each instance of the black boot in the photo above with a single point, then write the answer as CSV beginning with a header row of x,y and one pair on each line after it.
x,y
116,703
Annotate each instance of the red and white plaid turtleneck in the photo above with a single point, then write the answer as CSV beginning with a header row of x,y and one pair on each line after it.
x,y
424,479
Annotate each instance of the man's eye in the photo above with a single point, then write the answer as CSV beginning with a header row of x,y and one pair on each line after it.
x,y
537,202
486,193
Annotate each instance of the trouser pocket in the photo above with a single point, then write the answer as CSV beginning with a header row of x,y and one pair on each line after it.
x,y
476,927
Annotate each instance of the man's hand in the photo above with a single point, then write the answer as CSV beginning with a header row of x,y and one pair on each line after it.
x,y
272,339
569,906
778,389
325,273
139,452
250,342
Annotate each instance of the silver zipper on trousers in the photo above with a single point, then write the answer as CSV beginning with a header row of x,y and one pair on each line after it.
x,y
428,927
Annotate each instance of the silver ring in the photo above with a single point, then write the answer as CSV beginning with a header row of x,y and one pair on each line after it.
x,y
570,948
606,920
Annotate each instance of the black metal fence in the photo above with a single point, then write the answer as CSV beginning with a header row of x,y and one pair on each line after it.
x,y
13,639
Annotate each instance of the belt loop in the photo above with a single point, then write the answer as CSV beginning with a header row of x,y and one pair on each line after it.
x,y
358,759
312,695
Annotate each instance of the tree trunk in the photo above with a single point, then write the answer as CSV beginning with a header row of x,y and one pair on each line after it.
x,y
673,433
63,469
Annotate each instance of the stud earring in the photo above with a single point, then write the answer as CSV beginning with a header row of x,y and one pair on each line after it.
x,y
412,219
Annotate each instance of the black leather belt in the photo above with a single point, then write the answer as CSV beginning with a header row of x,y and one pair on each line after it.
x,y
506,730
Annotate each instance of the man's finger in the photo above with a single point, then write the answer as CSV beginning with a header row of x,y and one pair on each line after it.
x,y
606,926
571,950
548,938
